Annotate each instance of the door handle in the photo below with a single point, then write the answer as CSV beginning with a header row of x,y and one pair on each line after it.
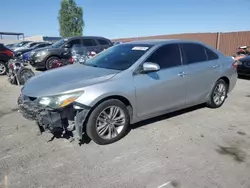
x,y
215,66
182,74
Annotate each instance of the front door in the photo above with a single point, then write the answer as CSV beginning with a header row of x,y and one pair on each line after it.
x,y
164,89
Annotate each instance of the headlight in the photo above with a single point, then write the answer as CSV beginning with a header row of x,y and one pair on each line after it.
x,y
59,101
40,54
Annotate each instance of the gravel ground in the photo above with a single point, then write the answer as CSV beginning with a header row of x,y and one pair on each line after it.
x,y
198,147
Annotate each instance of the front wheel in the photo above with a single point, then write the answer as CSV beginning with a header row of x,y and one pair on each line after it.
x,y
108,122
3,68
218,94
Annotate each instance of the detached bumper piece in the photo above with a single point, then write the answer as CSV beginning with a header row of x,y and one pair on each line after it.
x,y
62,123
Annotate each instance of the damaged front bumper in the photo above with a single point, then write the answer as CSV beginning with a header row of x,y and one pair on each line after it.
x,y
64,122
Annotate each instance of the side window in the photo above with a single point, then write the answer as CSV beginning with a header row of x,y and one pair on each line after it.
x,y
75,41
166,56
32,44
103,42
210,54
194,53
89,42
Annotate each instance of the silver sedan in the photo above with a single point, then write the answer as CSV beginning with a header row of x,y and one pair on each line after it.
x,y
125,84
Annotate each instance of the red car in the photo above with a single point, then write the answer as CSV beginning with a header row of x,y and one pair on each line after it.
x,y
5,55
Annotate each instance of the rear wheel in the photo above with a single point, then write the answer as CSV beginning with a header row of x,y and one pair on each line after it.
x,y
108,122
50,61
218,94
3,68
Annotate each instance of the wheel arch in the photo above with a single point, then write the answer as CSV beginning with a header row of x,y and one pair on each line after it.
x,y
226,79
57,56
121,98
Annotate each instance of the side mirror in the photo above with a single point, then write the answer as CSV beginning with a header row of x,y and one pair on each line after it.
x,y
67,45
150,67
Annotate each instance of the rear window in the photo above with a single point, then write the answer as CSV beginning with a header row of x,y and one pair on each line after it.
x,y
194,53
210,54
103,42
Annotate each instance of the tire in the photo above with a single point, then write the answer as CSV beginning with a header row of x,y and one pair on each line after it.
x,y
3,68
91,126
212,102
48,62
22,77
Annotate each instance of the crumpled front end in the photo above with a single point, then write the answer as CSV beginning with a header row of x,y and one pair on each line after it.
x,y
64,122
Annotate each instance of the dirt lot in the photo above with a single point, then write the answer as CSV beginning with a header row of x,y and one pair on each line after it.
x,y
197,148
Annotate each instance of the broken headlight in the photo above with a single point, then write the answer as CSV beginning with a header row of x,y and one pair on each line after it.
x,y
59,101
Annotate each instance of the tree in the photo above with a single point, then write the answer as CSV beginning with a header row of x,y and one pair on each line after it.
x,y
70,19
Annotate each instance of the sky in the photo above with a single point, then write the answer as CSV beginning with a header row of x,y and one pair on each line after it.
x,y
127,18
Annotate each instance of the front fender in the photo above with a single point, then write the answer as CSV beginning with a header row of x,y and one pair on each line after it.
x,y
95,93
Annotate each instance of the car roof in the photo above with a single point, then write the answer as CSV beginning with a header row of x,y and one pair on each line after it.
x,y
86,37
162,41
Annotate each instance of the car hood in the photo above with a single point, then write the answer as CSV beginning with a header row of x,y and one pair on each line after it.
x,y
42,49
19,48
64,79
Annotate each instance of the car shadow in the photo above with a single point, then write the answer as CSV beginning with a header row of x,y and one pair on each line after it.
x,y
40,70
87,140
166,116
243,77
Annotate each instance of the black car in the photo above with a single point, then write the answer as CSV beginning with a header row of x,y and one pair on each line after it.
x,y
5,55
243,66
36,46
43,58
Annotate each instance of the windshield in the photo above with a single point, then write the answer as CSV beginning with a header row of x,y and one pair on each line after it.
x,y
22,43
58,43
119,57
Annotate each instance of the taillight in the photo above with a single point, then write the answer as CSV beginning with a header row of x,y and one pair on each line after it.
x,y
71,60
8,53
92,54
236,64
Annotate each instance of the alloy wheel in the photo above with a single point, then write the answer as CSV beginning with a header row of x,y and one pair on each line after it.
x,y
219,94
110,122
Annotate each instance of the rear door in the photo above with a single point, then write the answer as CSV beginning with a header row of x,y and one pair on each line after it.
x,y
104,43
91,45
164,89
202,71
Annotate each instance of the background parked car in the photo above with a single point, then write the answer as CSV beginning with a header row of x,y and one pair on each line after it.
x,y
243,66
5,55
18,45
115,43
44,57
36,46
26,46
